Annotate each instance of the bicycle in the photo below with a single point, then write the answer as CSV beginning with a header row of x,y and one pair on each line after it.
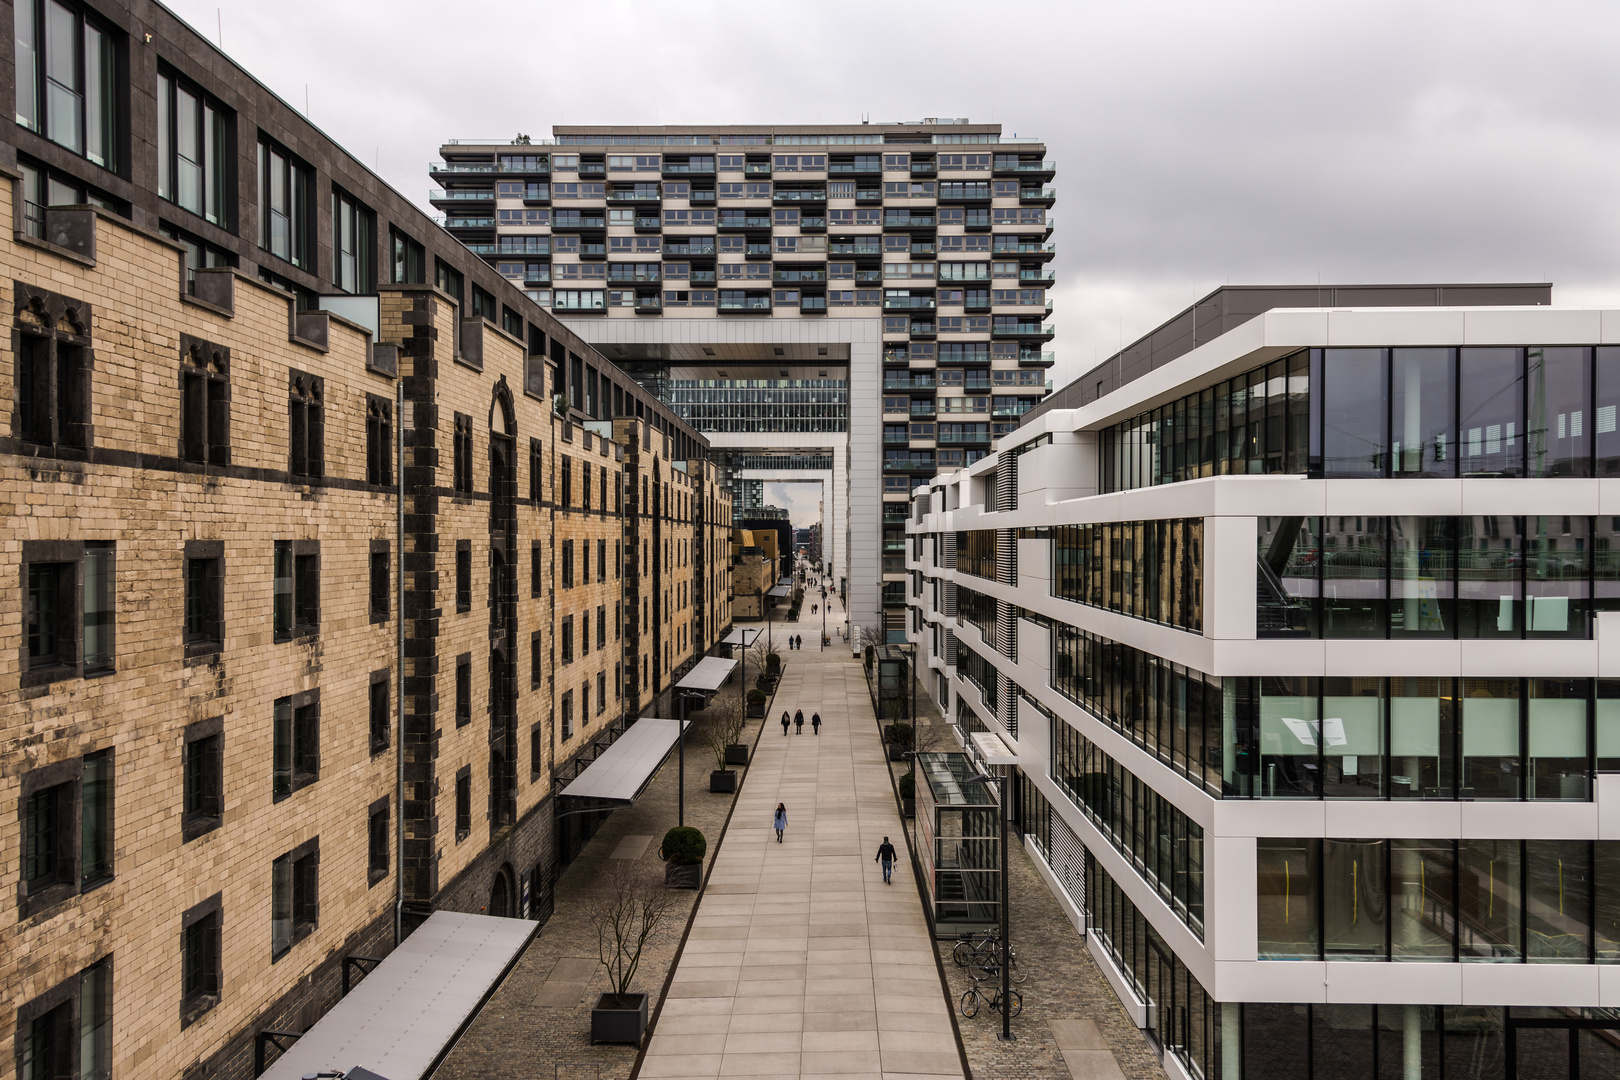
x,y
972,997
985,953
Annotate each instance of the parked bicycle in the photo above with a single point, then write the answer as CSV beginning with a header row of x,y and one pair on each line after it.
x,y
983,950
973,997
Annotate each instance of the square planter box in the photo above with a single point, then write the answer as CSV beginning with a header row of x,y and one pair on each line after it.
x,y
723,782
756,711
683,875
613,1022
737,753
897,752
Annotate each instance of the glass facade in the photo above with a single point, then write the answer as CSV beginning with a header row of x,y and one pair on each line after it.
x,y
1150,570
1519,411
1483,576
1426,901
761,405
978,609
1170,710
1163,844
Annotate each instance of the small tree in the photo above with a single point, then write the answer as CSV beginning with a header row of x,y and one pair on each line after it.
x,y
723,727
630,914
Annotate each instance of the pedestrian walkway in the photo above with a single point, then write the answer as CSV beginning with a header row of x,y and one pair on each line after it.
x,y
801,961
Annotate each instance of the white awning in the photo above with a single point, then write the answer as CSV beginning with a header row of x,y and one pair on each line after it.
x,y
992,750
743,635
404,1016
624,768
780,590
710,672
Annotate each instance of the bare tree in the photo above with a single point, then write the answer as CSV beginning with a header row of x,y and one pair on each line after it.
x,y
631,914
723,727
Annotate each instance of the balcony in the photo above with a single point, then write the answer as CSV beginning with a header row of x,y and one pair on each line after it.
x,y
1008,245
976,305
913,221
964,438
812,305
623,196
799,277
900,439
456,224
747,305
593,251
924,330
462,168
1037,279
1037,359
757,251
1022,329
1012,413
694,246
799,196
702,198
868,196
1038,196
908,303
897,355
688,168
923,168
461,196
964,192
631,277
868,277
812,224
901,382
850,168
757,168
927,413
649,304
1044,170
856,247
702,277
524,245
590,170
976,221
525,168
537,195
749,221
648,224
913,463
563,221
482,249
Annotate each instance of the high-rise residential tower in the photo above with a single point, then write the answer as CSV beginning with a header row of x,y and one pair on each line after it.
x,y
860,304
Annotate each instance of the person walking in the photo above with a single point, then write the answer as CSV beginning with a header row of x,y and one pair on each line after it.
x,y
815,723
784,724
780,822
885,856
798,722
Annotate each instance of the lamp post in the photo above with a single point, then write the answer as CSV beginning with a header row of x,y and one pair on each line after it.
x,y
1006,967
681,697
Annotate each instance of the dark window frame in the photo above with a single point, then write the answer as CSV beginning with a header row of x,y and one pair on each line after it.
x,y
306,424
64,1007
377,854
201,962
379,734
296,181
463,791
54,363
205,402
407,259
304,899
461,456
300,715
463,576
202,807
203,627
349,212
380,567
379,440
463,689
302,614
215,157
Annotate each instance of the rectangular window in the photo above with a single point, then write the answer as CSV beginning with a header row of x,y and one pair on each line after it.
x,y
52,385
297,588
286,218
408,257
99,606
568,564
535,665
204,781
205,599
306,424
536,569
378,701
379,580
463,575
568,639
296,757
294,897
379,440
536,473
463,804
67,79
534,753
205,402
568,715
601,626
354,241
200,960
49,629
463,690
377,841
461,458
194,145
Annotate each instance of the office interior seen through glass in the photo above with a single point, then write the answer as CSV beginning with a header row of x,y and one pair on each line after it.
x,y
761,405
1408,412
1491,576
1469,900
1263,737
1151,570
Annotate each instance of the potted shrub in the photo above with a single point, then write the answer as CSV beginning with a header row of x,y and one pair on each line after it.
x,y
682,853
631,913
721,733
870,655
898,738
756,702
907,785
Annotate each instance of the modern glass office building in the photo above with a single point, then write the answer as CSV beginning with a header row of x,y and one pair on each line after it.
x,y
1304,648
756,275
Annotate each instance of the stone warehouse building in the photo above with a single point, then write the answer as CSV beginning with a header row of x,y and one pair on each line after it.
x,y
324,579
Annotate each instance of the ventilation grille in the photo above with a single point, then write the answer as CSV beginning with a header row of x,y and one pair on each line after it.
x,y
947,558
950,648
1068,860
1009,706
950,599
1007,483
1007,630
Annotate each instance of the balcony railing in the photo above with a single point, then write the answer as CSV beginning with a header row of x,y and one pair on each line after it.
x,y
845,168
1037,359
705,248
633,196
1024,166
482,195
799,196
896,221
470,223
747,303
856,248
896,382
757,168
957,438
1011,247
907,303
460,167
644,276
813,305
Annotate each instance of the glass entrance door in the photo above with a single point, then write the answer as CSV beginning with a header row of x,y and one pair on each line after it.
x,y
1554,1049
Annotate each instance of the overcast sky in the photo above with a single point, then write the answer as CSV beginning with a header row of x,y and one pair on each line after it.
x,y
1197,144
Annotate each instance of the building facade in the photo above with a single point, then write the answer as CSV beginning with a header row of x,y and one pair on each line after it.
x,y
1304,644
907,262
247,381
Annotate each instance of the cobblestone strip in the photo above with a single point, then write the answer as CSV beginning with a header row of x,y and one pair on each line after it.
x,y
1063,983
536,1026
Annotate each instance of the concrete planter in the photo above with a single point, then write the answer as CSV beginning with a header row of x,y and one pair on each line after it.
x,y
683,875
908,807
897,752
723,781
619,1020
737,753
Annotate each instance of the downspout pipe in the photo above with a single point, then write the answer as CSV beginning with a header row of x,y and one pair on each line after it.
x,y
399,659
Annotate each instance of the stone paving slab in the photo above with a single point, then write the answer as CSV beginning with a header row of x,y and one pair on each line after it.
x,y
829,972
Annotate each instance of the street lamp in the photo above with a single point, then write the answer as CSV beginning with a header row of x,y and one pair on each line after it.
x,y
1006,966
681,699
